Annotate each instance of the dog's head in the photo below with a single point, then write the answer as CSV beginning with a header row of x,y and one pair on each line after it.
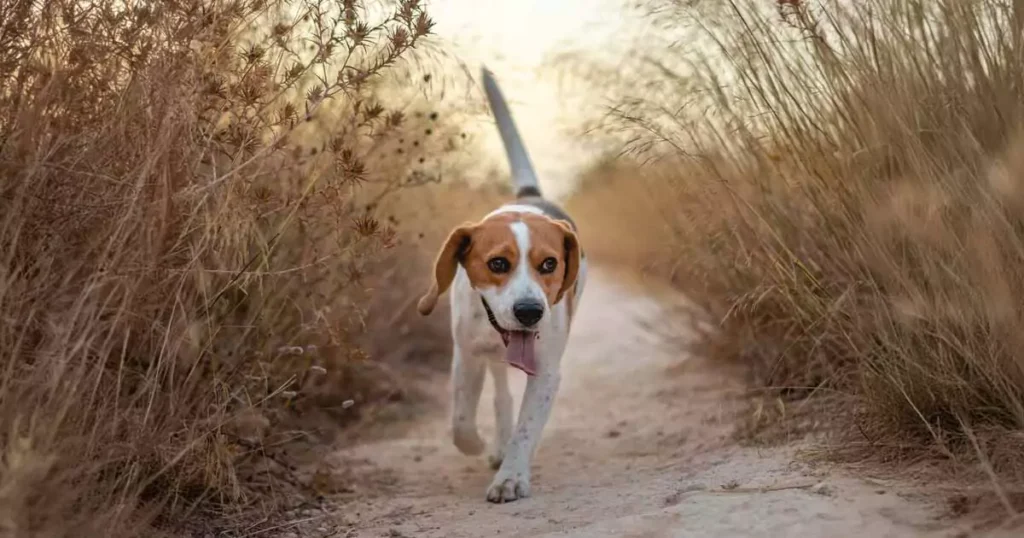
x,y
522,263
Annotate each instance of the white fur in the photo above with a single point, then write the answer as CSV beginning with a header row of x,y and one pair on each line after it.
x,y
514,444
516,208
518,160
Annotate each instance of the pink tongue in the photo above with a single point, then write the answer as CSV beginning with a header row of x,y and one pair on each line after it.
x,y
519,352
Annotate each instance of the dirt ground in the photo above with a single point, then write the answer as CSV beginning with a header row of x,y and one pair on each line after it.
x,y
639,445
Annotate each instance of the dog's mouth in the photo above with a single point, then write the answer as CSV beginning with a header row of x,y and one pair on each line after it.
x,y
519,349
519,346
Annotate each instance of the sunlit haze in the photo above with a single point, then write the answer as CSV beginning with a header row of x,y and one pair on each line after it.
x,y
516,40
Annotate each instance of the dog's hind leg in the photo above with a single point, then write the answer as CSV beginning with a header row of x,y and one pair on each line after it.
x,y
502,412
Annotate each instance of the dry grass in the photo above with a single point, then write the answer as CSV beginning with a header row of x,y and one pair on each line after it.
x,y
849,204
183,241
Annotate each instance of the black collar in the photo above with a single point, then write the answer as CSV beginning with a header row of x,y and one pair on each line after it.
x,y
494,321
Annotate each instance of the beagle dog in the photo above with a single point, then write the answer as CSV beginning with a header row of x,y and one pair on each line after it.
x,y
516,275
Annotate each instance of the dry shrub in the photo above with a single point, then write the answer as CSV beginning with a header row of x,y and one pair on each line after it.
x,y
848,202
183,237
622,212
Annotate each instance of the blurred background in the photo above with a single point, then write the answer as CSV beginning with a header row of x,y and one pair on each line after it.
x,y
522,42
216,215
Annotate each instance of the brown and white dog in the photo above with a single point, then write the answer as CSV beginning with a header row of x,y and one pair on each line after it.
x,y
517,274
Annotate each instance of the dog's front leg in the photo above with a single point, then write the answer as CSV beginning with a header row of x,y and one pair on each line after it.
x,y
512,480
467,384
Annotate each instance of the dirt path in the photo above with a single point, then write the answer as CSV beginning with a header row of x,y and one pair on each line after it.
x,y
638,446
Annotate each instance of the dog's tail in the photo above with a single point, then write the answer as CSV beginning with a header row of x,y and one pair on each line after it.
x,y
523,174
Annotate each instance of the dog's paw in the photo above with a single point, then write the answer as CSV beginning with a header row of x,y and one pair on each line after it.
x,y
506,488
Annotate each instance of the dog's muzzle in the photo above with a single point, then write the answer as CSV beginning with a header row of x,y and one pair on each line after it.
x,y
519,345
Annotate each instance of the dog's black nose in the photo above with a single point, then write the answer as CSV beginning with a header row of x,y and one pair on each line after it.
x,y
528,312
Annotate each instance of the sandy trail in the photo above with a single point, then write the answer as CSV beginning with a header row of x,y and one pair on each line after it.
x,y
638,446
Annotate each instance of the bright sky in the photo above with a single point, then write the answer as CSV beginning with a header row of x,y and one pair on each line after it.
x,y
514,38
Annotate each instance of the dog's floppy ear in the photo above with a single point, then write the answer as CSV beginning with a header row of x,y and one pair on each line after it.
x,y
455,247
571,245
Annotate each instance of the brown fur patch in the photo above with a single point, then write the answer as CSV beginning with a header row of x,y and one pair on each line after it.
x,y
491,238
551,239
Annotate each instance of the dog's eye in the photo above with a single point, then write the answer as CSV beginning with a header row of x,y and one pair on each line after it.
x,y
498,265
548,265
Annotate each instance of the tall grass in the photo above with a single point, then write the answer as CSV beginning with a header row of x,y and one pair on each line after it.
x,y
847,199
183,235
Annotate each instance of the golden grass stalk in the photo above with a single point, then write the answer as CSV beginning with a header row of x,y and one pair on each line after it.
x,y
180,188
